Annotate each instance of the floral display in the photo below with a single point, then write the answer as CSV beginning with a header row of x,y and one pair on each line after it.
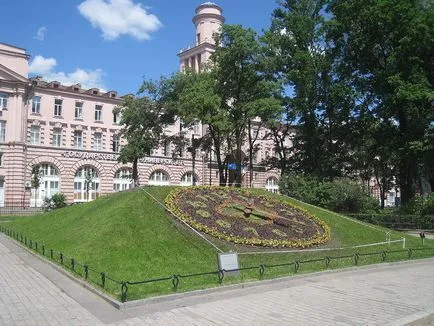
x,y
238,216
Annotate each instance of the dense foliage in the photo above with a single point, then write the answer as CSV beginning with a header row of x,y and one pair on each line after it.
x,y
344,87
340,195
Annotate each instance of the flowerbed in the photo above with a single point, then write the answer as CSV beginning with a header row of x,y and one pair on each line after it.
x,y
238,216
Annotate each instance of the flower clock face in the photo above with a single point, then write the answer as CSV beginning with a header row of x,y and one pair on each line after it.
x,y
238,216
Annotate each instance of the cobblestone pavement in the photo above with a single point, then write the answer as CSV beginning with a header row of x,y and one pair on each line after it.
x,y
29,298
395,294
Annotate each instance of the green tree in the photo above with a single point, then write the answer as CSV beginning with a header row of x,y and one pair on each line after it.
x,y
244,92
197,99
144,118
36,180
296,56
383,50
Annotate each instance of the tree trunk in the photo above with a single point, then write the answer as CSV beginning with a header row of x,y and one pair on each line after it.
x,y
135,172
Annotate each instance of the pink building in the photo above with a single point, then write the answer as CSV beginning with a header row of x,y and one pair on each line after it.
x,y
72,133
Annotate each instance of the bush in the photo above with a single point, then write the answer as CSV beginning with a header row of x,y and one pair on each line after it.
x,y
419,206
342,195
56,201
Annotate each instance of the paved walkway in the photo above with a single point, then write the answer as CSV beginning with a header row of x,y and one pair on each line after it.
x,y
33,293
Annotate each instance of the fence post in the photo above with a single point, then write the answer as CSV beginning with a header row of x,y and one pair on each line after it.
x,y
43,250
51,253
103,279
124,289
86,271
36,246
72,264
61,258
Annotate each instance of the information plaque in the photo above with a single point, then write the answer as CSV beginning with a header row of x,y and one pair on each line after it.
x,y
229,262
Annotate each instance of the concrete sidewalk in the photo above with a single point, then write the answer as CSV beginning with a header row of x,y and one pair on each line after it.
x,y
33,293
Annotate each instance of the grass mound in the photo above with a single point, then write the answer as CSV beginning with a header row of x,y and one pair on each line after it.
x,y
131,237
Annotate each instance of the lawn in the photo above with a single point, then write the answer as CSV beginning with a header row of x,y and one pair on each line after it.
x,y
130,237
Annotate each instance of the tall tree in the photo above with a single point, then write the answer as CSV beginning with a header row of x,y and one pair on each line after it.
x,y
244,91
384,51
198,100
144,118
296,55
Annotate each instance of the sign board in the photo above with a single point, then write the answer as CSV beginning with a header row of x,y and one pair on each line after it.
x,y
228,261
232,166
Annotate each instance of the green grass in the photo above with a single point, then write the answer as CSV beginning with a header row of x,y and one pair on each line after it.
x,y
130,237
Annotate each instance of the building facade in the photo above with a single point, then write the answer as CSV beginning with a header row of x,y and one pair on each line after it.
x,y
73,135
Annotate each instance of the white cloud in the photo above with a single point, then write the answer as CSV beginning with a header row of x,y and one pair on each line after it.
x,y
87,78
41,65
40,34
120,17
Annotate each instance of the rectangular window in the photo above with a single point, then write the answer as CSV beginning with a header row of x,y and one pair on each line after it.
x,y
3,101
198,38
116,117
36,105
116,143
78,110
57,137
98,112
196,128
78,139
2,130
58,108
97,141
1,159
35,135
167,148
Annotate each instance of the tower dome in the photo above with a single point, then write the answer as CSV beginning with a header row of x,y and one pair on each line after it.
x,y
208,20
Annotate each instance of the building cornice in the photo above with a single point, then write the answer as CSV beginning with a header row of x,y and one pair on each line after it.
x,y
70,93
197,48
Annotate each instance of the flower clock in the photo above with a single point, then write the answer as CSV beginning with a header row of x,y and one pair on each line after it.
x,y
238,216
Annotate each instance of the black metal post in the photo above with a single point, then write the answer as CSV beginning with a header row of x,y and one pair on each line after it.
x,y
193,156
210,157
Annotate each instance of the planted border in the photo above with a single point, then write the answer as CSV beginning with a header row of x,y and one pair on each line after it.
x,y
208,209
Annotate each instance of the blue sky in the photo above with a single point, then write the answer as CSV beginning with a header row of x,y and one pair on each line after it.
x,y
89,41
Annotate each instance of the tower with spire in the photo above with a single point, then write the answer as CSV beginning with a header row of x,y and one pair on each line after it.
x,y
208,21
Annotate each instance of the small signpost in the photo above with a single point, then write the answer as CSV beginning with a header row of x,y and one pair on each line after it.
x,y
422,236
229,263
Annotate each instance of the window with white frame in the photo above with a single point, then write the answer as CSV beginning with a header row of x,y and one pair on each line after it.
x,y
123,179
116,145
86,184
3,101
272,185
2,130
97,141
78,110
48,186
160,178
35,135
167,150
187,179
98,112
58,107
36,105
57,137
116,117
78,139
196,128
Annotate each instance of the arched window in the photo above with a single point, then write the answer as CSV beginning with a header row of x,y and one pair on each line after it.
x,y
272,185
123,179
187,179
86,184
49,184
159,178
